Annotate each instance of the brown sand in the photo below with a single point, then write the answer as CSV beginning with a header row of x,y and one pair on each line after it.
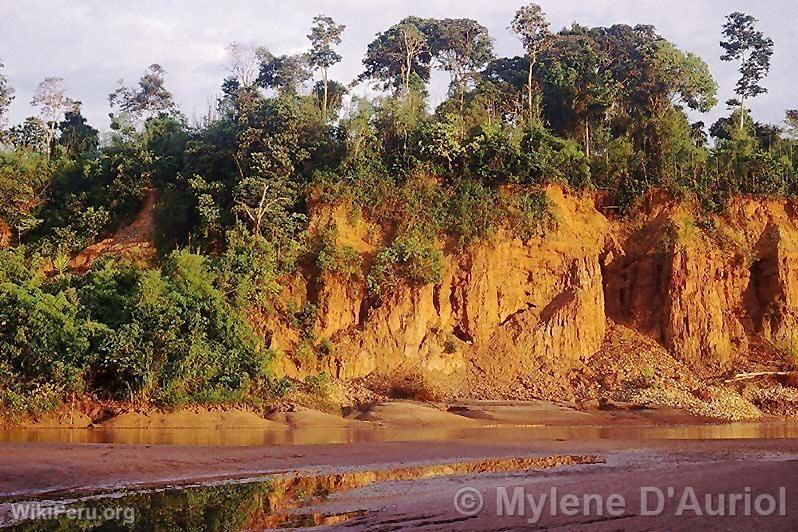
x,y
306,418
408,413
195,418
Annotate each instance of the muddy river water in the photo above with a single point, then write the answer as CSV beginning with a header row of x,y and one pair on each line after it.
x,y
305,436
382,478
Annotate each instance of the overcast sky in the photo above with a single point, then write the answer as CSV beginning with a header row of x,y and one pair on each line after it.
x,y
92,44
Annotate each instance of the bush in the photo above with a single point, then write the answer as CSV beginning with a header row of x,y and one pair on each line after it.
x,y
248,269
169,336
527,213
185,340
473,211
43,339
494,154
411,259
330,258
305,320
546,158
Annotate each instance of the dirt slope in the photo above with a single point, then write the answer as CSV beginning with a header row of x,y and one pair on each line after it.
x,y
521,319
133,242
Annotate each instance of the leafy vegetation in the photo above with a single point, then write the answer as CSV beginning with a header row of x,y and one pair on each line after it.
x,y
167,336
586,107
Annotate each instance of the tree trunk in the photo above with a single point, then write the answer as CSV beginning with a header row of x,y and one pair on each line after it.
x,y
324,101
587,139
529,90
461,84
52,124
742,113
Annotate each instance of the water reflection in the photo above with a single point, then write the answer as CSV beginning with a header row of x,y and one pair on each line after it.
x,y
310,436
280,502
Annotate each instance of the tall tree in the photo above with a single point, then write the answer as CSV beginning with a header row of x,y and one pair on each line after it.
x,y
29,135
507,78
462,47
324,35
533,29
333,91
286,73
684,78
6,97
150,98
578,90
400,55
51,99
244,62
77,136
749,46
791,124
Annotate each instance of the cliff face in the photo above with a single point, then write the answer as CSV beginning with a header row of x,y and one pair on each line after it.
x,y
713,289
510,313
5,234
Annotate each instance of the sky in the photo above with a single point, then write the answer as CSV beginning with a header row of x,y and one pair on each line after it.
x,y
94,43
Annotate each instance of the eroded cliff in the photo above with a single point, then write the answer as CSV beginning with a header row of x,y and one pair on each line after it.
x,y
515,318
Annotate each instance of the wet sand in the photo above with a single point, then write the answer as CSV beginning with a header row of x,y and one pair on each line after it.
x,y
390,501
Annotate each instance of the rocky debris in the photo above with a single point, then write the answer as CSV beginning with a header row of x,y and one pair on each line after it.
x,y
774,399
718,402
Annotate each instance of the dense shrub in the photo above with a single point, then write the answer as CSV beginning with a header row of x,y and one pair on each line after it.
x,y
546,158
248,269
167,336
335,259
528,213
413,260
473,212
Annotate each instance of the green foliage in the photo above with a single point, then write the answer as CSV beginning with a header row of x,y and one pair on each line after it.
x,y
494,153
24,178
528,213
43,339
400,56
413,260
331,258
184,340
149,99
586,107
166,336
744,43
248,269
325,34
285,73
305,320
462,47
77,137
546,158
473,212
326,347
318,385
441,142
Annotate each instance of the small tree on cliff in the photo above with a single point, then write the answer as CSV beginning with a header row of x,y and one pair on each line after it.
x,y
50,97
6,97
749,46
533,29
324,34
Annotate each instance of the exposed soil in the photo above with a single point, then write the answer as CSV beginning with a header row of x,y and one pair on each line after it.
x,y
132,242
